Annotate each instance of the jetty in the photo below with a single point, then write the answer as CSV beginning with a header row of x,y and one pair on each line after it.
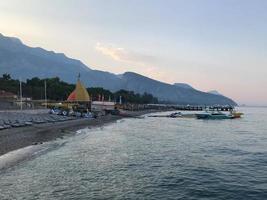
x,y
190,107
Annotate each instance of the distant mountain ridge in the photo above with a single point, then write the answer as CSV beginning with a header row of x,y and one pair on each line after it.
x,y
183,85
215,92
25,62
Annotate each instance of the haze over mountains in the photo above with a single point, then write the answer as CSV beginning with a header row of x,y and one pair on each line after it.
x,y
25,62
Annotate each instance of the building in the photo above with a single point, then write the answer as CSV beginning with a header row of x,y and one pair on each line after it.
x,y
7,96
99,106
7,100
79,99
82,98
79,94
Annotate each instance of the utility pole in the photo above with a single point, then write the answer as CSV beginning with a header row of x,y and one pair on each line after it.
x,y
120,100
20,88
45,94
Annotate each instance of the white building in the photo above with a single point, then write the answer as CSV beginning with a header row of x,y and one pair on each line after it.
x,y
98,106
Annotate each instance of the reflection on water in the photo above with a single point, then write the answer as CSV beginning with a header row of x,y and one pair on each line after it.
x,y
151,158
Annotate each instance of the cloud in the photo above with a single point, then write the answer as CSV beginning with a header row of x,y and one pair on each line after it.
x,y
122,55
116,53
144,64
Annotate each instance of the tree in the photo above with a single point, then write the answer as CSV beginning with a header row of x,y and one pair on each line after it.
x,y
59,90
6,77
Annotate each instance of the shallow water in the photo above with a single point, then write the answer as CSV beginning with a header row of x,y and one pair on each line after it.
x,y
151,158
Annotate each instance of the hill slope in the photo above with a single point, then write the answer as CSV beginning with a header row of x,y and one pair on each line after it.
x,y
25,62
171,93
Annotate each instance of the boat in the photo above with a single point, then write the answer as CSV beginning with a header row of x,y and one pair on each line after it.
x,y
175,115
236,114
214,115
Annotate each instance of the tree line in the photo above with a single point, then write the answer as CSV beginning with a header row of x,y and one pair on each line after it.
x,y
59,90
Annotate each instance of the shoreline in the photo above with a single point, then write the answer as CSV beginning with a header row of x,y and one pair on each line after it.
x,y
17,138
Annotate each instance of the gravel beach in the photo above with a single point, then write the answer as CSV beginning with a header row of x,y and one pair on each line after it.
x,y
16,138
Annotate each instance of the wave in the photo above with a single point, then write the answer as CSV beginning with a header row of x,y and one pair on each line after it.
x,y
15,157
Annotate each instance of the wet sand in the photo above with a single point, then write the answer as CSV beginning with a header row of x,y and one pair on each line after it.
x,y
16,138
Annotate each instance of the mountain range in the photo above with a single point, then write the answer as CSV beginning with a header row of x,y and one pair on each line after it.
x,y
215,92
22,61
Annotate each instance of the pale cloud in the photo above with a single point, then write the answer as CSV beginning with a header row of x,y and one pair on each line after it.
x,y
147,65
116,53
120,54
138,62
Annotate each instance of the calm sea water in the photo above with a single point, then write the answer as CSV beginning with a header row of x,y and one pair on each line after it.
x,y
151,158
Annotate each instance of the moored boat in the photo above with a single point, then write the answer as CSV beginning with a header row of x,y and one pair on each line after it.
x,y
214,115
236,114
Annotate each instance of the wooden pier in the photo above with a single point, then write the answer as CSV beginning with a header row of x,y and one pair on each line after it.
x,y
190,107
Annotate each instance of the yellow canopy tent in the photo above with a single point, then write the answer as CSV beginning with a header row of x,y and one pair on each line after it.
x,y
79,94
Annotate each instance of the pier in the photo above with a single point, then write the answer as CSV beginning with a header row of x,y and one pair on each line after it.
x,y
190,107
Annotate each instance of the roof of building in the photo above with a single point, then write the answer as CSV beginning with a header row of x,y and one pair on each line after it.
x,y
79,94
103,103
5,94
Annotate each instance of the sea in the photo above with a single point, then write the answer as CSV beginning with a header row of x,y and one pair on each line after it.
x,y
148,158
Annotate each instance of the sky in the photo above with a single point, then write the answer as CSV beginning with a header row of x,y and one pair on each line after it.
x,y
209,44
